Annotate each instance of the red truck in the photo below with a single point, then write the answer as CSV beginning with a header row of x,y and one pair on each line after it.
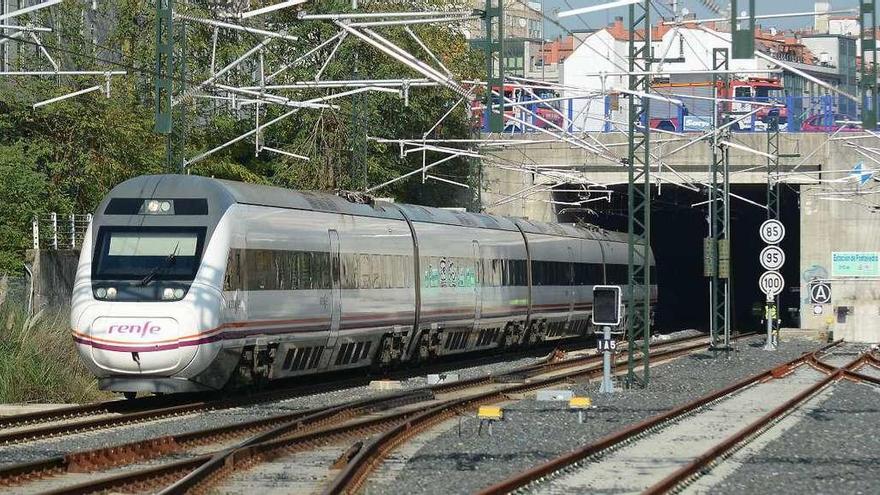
x,y
695,112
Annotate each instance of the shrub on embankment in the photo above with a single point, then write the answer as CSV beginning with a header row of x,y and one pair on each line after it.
x,y
38,361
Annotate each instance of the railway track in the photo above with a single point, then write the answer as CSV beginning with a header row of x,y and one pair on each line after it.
x,y
229,448
690,439
117,413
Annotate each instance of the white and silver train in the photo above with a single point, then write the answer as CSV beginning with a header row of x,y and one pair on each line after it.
x,y
187,283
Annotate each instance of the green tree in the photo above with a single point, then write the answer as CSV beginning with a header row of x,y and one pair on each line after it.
x,y
64,157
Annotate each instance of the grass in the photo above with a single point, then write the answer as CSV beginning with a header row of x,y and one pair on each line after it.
x,y
38,360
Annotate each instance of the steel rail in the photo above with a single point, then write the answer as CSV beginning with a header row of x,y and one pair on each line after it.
x,y
221,400
158,407
104,458
227,461
156,477
98,459
355,473
704,462
626,434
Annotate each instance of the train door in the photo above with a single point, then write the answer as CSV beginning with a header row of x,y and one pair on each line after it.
x,y
478,286
335,303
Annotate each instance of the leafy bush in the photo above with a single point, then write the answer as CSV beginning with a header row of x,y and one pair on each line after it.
x,y
38,361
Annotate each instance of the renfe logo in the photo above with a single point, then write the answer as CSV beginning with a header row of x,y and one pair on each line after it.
x,y
143,330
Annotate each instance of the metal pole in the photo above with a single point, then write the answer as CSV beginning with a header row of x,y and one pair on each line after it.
x,y
164,64
773,201
639,194
868,84
718,243
607,386
494,23
54,218
35,227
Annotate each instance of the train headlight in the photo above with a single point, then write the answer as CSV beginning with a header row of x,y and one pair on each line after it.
x,y
168,294
178,293
158,207
111,293
101,292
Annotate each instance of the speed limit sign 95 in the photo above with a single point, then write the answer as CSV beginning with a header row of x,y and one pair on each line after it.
x,y
772,258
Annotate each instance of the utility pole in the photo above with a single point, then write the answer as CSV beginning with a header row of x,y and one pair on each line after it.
x,y
717,247
170,66
772,306
639,195
494,23
868,23
359,115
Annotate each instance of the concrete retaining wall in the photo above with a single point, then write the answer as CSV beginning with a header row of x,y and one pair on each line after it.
x,y
54,273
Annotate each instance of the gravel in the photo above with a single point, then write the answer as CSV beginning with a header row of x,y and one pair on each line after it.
x,y
833,449
533,432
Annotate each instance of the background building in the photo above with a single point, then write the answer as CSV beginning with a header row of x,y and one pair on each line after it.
x,y
520,20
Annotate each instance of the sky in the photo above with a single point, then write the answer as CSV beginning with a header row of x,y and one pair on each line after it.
x,y
600,19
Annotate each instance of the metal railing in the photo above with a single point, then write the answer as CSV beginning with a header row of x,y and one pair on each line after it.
x,y
826,113
54,231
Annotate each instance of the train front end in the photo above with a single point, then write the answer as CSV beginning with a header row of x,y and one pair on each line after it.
x,y
146,298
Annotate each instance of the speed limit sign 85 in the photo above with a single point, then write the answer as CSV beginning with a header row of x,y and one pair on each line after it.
x,y
772,231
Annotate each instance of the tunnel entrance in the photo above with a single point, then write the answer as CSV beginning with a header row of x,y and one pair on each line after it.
x,y
677,236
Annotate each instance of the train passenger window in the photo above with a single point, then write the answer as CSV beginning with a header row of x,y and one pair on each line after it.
x,y
408,271
232,278
364,269
397,271
277,262
260,265
349,271
321,270
377,276
304,268
291,270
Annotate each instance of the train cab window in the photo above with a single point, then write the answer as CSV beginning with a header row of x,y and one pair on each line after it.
x,y
133,253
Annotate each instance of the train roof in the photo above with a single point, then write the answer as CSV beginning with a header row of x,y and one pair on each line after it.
x,y
224,193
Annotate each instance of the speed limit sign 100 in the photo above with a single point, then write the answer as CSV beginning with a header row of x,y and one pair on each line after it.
x,y
772,258
772,232
771,283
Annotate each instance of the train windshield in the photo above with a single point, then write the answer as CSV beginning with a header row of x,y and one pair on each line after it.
x,y
160,254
